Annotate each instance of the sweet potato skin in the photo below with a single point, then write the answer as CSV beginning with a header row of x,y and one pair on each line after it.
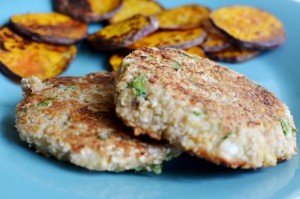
x,y
20,57
233,55
180,39
249,27
215,41
87,10
124,33
53,28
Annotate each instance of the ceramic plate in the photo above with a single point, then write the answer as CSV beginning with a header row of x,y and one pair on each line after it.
x,y
26,174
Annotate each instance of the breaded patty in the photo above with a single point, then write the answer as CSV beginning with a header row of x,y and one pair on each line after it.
x,y
73,119
205,109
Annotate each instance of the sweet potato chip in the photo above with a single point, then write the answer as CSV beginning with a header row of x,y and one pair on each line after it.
x,y
195,50
250,27
181,39
123,33
183,17
215,41
115,61
88,10
135,7
52,28
233,55
23,58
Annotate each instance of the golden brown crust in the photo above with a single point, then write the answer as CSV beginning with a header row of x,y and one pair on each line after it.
x,y
204,108
74,115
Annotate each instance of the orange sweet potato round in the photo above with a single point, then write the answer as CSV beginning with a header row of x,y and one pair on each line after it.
x,y
131,8
181,39
249,27
20,57
183,17
123,33
88,10
195,50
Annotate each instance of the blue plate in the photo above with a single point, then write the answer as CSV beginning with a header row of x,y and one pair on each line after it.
x,y
25,174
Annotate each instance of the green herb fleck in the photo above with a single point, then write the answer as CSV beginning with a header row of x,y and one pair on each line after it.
x,y
156,168
46,102
294,130
286,126
175,65
188,55
139,83
197,113
139,168
226,136
173,153
169,156
72,87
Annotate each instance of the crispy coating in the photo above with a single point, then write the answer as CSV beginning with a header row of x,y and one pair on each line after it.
x,y
181,39
233,55
20,57
73,119
51,28
183,17
131,8
88,10
124,33
204,108
251,27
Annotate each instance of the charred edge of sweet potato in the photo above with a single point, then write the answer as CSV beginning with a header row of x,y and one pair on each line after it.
x,y
42,38
236,59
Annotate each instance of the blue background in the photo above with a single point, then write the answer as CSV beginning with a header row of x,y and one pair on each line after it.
x,y
25,174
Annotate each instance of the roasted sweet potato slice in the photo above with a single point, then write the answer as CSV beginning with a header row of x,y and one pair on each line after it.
x,y
135,7
115,60
88,10
249,27
195,50
52,28
181,39
233,55
183,17
215,41
23,58
123,33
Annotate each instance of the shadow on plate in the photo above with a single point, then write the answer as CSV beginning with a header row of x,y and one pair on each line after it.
x,y
184,166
